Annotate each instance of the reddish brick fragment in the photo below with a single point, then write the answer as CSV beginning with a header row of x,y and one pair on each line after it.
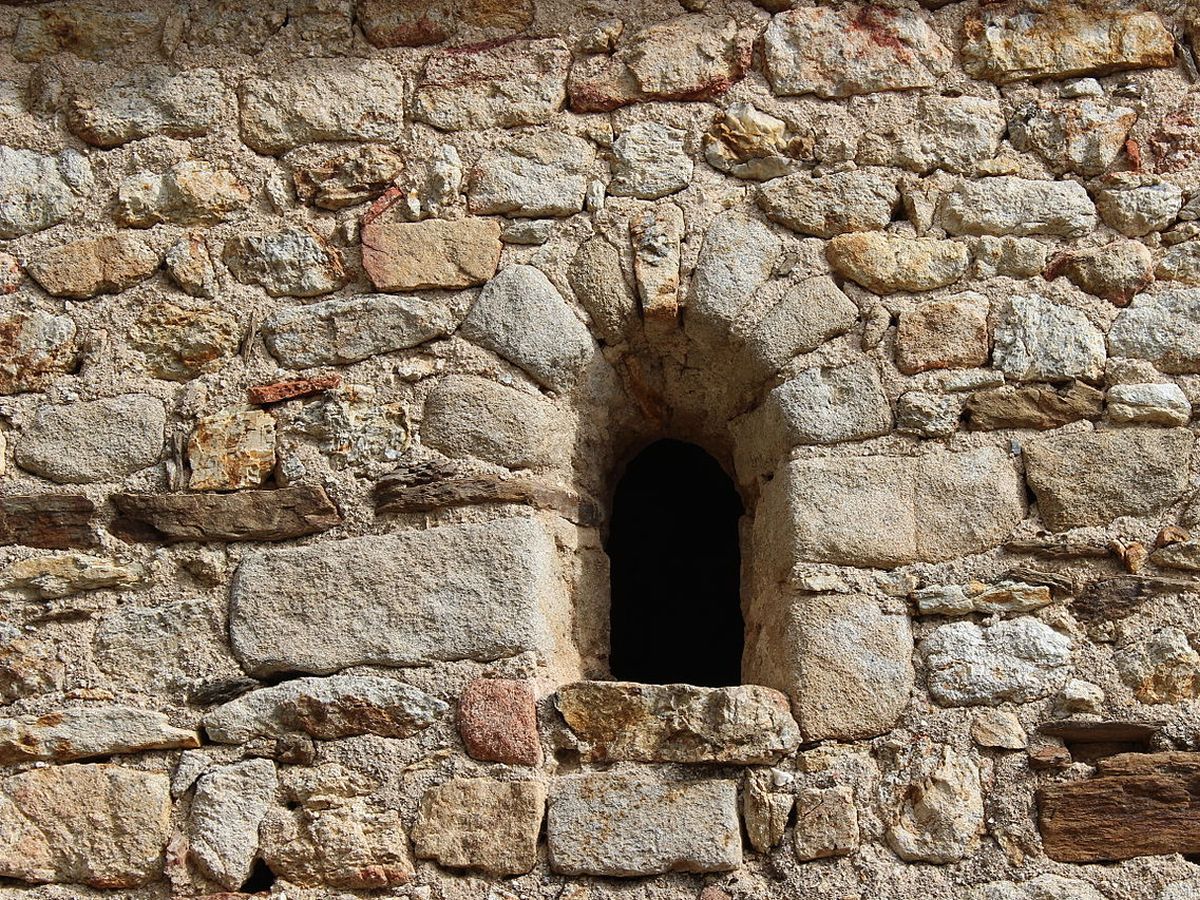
x,y
293,387
497,718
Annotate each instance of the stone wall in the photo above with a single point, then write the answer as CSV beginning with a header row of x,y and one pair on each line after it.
x,y
326,327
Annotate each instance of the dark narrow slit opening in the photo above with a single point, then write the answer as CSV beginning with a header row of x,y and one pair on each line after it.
x,y
261,879
675,569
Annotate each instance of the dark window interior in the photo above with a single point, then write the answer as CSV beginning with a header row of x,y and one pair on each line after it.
x,y
673,550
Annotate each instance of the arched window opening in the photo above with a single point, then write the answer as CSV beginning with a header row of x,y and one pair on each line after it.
x,y
675,569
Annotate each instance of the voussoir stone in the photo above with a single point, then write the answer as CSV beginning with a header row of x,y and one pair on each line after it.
x,y
1037,339
343,331
100,440
35,347
100,825
227,809
885,263
614,720
736,258
1014,661
1092,477
1008,205
859,200
537,175
446,593
274,515
481,824
326,708
505,84
521,316
322,100
932,507
856,49
85,268
150,101
434,253
807,315
635,824
87,731
38,190
294,261
845,663
468,417
1162,327
1062,40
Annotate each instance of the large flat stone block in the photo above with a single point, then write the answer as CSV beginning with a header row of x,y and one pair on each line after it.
x,y
453,592
631,825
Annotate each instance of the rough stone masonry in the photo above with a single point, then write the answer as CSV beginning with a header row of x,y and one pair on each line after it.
x,y
326,328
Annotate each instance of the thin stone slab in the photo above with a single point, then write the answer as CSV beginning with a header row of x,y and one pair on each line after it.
x,y
89,731
744,725
452,592
276,515
634,825
51,521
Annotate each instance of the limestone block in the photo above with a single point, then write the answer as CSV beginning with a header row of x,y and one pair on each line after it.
x,y
519,82
826,405
336,180
190,193
1005,205
1033,406
99,440
1083,136
826,823
413,256
1163,667
54,577
1116,271
229,805
685,58
27,667
852,50
743,725
859,200
1014,661
1043,887
1037,339
1137,205
649,161
765,811
190,265
35,347
927,414
450,592
998,729
150,101
748,143
1181,263
294,261
38,190
1092,477
736,258
885,263
808,315
942,815
521,316
181,342
99,825
343,331
81,29
231,449
497,720
1162,327
88,731
482,824
956,134
105,265
474,417
932,507
1148,404
326,708
636,824
347,845
843,661
542,174
943,334
1061,41
322,100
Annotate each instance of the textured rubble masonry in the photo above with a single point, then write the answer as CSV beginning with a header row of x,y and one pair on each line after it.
x,y
328,327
